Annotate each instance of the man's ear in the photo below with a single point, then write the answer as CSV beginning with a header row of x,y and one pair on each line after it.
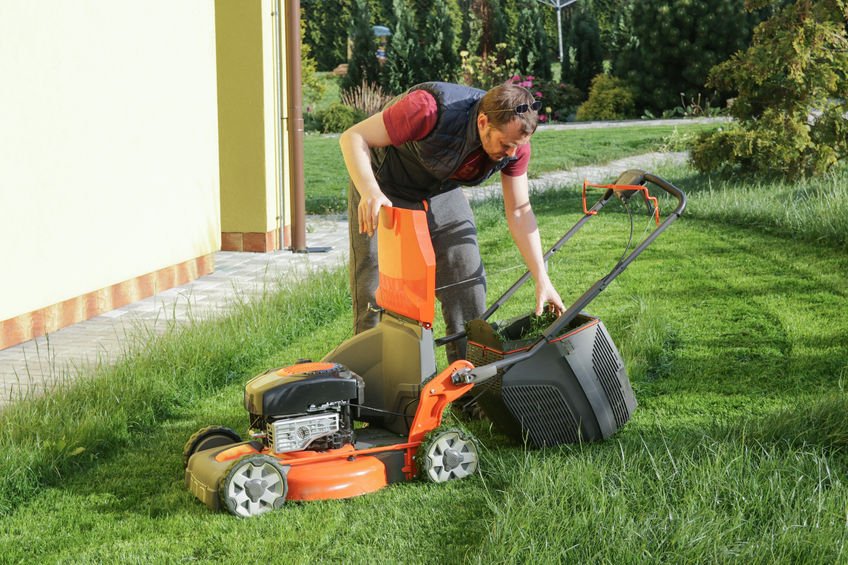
x,y
482,121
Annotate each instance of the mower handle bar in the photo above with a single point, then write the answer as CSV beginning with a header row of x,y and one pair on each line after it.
x,y
631,177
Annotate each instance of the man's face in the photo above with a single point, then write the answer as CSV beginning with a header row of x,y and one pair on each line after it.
x,y
500,143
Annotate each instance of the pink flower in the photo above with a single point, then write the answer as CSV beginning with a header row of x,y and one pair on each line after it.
x,y
525,84
543,118
537,94
515,78
530,77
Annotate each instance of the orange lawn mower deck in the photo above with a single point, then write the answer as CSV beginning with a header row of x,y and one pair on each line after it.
x,y
568,385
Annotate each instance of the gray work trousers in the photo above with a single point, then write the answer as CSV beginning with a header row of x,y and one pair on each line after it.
x,y
460,276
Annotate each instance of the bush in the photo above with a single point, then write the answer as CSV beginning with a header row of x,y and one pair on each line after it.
x,y
338,118
790,105
777,144
558,100
491,70
609,99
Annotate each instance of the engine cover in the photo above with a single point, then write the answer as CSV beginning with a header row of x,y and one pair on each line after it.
x,y
302,388
294,434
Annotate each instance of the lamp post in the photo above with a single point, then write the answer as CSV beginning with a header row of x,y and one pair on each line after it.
x,y
559,5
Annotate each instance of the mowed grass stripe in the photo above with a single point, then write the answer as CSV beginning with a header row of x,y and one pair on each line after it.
x,y
733,339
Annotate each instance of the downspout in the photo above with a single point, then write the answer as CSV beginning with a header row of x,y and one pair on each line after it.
x,y
280,130
295,123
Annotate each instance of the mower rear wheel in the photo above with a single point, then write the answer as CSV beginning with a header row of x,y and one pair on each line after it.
x,y
254,485
449,454
207,438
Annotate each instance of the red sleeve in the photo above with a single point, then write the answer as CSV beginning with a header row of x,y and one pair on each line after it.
x,y
411,118
519,166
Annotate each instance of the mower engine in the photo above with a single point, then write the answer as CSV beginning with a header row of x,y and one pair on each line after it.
x,y
309,406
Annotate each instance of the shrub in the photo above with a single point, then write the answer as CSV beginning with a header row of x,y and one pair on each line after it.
x,y
488,70
610,98
338,117
558,100
790,106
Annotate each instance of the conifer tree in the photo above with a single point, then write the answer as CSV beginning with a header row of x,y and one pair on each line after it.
x,y
439,61
531,42
363,65
403,50
584,46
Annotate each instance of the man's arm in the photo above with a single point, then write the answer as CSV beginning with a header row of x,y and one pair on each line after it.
x,y
525,234
355,143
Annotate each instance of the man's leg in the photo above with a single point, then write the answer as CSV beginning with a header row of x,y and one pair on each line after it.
x,y
363,267
460,275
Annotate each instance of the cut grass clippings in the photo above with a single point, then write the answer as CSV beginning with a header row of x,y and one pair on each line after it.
x,y
735,338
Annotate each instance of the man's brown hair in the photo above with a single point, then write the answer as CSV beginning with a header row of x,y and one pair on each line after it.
x,y
500,102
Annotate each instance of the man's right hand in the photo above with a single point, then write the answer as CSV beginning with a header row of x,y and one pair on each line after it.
x,y
369,211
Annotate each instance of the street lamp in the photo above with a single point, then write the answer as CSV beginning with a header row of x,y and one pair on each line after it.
x,y
559,5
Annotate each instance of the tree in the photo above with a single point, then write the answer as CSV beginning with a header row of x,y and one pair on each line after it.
x,y
326,31
488,27
363,65
531,42
402,52
585,53
439,61
790,87
676,43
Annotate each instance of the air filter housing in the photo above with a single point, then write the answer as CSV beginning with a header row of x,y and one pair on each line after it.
x,y
573,389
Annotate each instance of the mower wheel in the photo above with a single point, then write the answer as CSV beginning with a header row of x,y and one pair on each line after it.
x,y
207,438
447,455
254,485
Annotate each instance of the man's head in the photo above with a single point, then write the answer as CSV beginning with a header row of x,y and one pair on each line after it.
x,y
506,118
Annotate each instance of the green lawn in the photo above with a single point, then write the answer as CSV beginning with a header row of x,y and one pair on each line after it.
x,y
734,332
553,150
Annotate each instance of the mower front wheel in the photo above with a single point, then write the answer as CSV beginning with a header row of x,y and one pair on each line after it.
x,y
447,455
207,438
254,485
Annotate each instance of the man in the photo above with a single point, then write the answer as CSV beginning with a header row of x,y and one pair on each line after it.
x,y
425,145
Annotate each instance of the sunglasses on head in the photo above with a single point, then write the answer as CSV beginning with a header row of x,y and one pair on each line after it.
x,y
522,108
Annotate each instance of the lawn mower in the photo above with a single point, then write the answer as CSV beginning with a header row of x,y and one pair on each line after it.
x,y
566,385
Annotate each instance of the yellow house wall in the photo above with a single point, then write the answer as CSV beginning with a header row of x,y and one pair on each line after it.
x,y
109,146
249,76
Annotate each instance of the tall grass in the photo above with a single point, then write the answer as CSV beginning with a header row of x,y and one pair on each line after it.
x,y
734,339
814,209
674,498
44,438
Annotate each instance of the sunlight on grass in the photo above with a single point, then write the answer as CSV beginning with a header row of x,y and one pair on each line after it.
x,y
733,329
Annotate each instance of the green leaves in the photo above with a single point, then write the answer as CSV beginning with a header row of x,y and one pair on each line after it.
x,y
790,106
